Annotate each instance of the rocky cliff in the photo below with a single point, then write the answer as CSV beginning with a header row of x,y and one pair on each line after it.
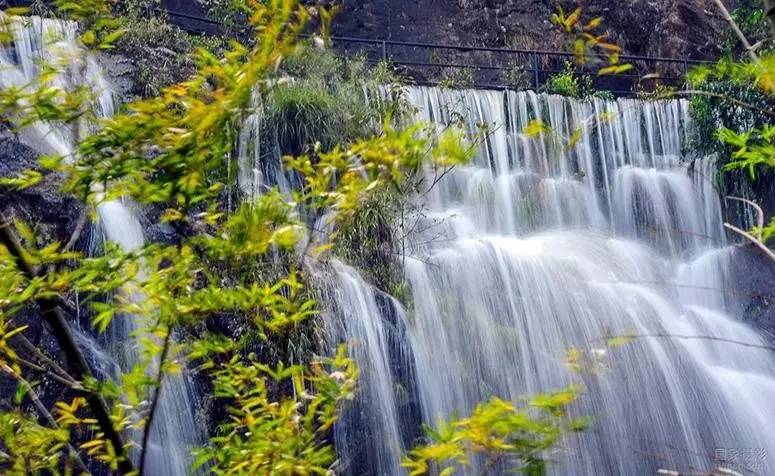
x,y
669,28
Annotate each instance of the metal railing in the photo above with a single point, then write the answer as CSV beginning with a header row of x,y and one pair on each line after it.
x,y
499,68
485,67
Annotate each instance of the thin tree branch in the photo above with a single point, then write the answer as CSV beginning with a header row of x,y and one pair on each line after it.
x,y
43,357
79,226
438,178
155,402
46,414
67,383
691,337
740,35
54,317
752,239
759,214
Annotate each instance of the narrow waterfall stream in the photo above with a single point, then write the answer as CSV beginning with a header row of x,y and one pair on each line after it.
x,y
374,326
534,249
55,41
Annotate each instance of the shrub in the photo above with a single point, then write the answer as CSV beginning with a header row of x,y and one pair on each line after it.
x,y
603,94
457,78
159,50
653,91
301,114
517,78
314,64
564,83
325,100
368,241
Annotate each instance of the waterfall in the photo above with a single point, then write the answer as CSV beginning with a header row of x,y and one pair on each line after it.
x,y
536,248
55,41
374,326
174,431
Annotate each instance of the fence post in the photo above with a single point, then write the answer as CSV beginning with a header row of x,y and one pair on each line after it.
x,y
384,50
536,72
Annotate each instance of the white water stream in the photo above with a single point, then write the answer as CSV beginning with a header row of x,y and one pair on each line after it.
x,y
38,41
536,248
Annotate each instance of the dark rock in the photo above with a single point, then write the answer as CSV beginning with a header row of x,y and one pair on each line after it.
x,y
754,298
680,28
52,215
151,55
121,73
44,207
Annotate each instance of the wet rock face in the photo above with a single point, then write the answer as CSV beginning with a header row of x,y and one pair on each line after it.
x,y
53,217
678,28
754,274
44,208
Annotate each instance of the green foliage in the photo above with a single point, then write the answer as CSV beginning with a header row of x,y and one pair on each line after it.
x,y
719,106
368,241
570,83
732,114
589,46
753,151
288,437
759,74
754,148
315,65
339,179
29,448
166,150
100,29
733,108
303,115
564,84
507,436
323,101
137,8
364,238
169,151
517,78
749,16
231,13
657,92
605,95
457,78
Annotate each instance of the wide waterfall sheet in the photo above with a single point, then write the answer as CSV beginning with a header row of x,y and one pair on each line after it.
x,y
536,248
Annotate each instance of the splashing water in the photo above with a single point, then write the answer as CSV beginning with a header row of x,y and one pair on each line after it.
x,y
38,40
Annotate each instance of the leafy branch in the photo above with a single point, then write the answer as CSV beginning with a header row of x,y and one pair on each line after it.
x,y
61,330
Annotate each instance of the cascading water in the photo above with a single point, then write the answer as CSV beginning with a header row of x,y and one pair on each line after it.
x,y
536,248
39,40
374,327
174,430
